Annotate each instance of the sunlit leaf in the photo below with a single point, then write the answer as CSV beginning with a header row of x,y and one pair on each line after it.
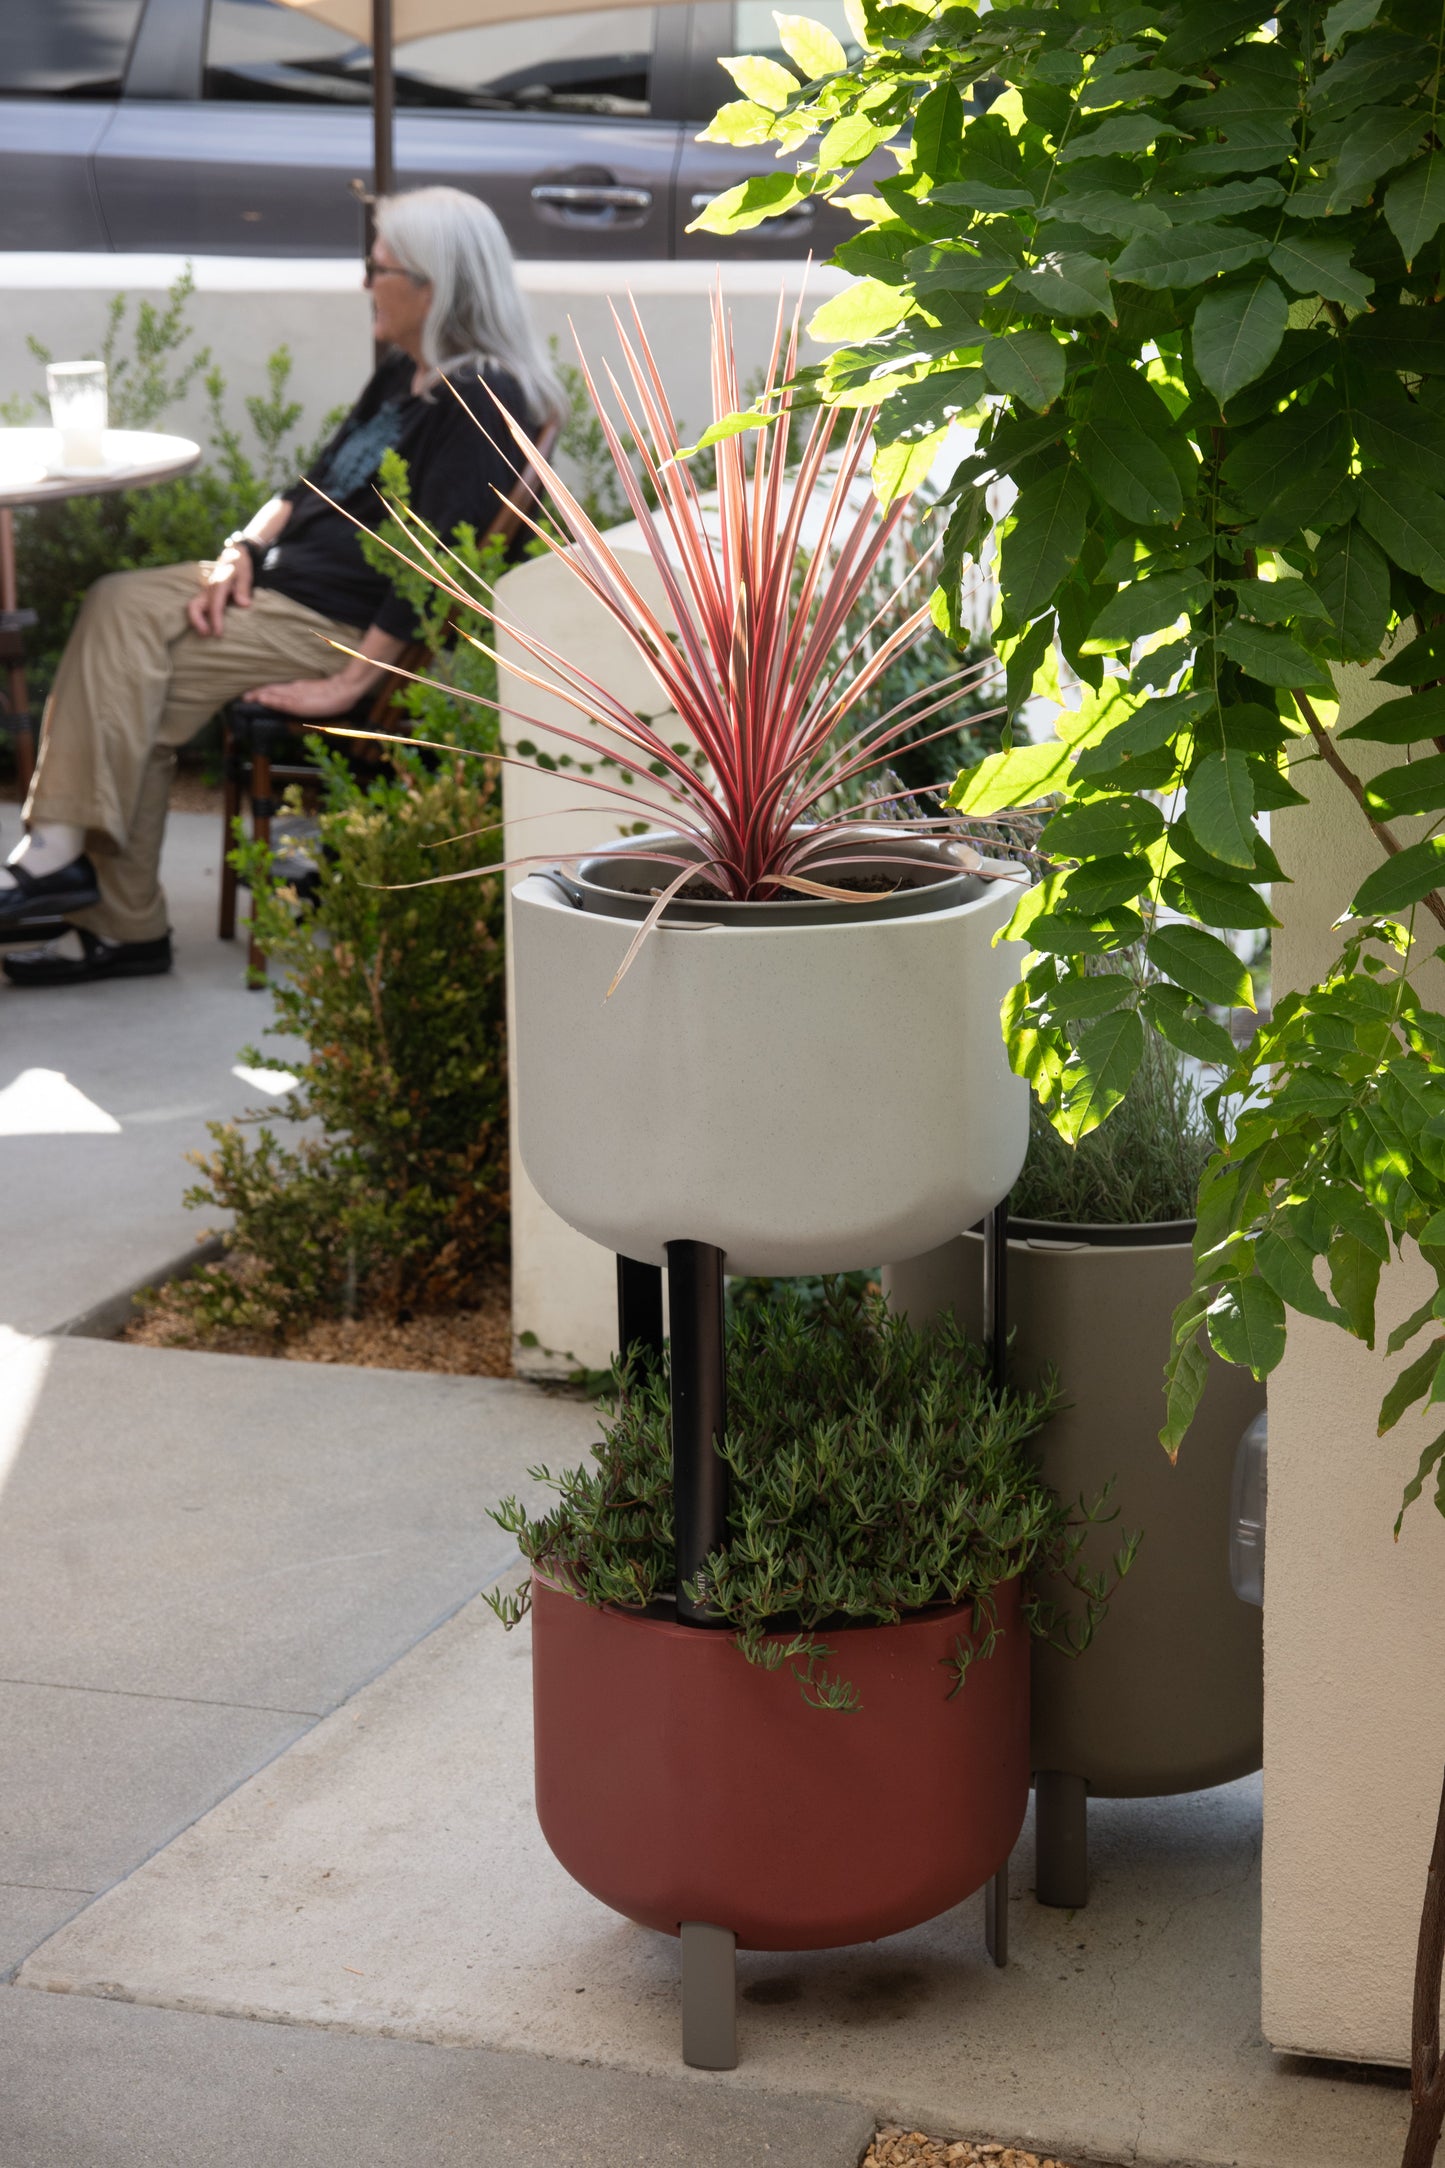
x,y
1201,964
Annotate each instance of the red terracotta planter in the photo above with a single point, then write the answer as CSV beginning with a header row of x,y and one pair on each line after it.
x,y
676,1781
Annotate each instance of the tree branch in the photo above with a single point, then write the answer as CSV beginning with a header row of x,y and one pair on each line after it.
x,y
1330,754
1427,2072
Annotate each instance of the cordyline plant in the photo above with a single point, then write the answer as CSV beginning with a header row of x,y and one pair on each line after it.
x,y
753,664
1186,273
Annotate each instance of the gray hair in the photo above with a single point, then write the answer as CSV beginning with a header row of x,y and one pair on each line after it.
x,y
454,242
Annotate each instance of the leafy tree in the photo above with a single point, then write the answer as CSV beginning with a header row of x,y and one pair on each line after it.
x,y
1185,272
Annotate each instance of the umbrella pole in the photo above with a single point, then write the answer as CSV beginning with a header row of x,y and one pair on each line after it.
x,y
383,120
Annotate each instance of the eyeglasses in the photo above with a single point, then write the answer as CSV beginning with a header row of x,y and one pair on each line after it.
x,y
375,270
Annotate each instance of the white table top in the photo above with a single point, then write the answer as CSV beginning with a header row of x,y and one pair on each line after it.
x,y
134,459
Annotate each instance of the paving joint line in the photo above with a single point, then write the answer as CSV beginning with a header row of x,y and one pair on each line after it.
x,y
132,1693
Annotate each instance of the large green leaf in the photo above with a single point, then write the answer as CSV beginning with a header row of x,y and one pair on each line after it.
x,y
859,312
1148,606
1105,1059
1215,898
1400,336
1246,1325
741,122
1313,264
1237,331
1398,432
811,47
1069,284
1417,1381
1288,1265
1421,659
1107,210
1205,206
1376,140
925,406
764,81
1149,728
1130,472
1308,441
1404,879
1418,786
1176,1018
1101,826
1221,807
1415,203
1273,656
937,132
1202,965
1403,722
1187,256
1355,1280
749,203
1028,364
1185,1376
1091,993
1352,579
1044,541
1100,883
1346,17
1408,522
1018,777
1113,138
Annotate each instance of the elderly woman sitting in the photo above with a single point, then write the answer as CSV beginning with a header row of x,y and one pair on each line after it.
x,y
155,653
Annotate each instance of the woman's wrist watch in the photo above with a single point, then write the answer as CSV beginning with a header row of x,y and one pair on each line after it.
x,y
256,551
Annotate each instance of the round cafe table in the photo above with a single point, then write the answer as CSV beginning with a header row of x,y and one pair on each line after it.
x,y
134,459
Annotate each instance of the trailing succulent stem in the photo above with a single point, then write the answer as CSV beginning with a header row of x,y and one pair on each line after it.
x,y
874,1471
1182,267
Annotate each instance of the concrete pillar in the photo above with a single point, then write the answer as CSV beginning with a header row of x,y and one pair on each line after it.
x,y
1354,1622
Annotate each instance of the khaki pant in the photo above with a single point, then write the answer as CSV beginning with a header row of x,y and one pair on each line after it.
x,y
135,682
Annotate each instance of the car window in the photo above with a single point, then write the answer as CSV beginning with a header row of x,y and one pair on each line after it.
x,y
755,28
598,62
66,48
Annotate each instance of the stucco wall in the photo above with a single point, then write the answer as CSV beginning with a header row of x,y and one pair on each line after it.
x,y
244,308
1354,1623
564,1288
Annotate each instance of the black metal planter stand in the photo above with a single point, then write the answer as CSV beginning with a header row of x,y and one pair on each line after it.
x,y
698,1380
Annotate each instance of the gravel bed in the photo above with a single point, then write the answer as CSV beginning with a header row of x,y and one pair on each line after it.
x,y
895,2147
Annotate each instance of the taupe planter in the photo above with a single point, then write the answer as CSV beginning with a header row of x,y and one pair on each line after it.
x,y
1169,1697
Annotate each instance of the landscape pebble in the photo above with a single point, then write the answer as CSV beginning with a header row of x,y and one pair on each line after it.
x,y
894,2147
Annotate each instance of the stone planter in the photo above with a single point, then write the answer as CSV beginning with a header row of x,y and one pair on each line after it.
x,y
1169,1697
804,1088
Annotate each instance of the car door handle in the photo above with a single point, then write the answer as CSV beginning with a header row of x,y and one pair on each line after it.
x,y
801,214
592,196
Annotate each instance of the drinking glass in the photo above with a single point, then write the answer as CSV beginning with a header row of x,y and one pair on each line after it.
x,y
78,411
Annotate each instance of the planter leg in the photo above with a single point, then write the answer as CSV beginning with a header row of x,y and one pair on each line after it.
x,y
995,1916
709,1997
1061,1829
699,1414
639,1310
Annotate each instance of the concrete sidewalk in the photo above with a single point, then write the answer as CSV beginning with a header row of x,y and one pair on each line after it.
x,y
103,1091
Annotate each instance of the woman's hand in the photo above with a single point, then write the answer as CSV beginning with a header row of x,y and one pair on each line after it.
x,y
229,579
317,699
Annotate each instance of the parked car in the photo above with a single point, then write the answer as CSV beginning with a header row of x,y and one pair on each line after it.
x,y
236,127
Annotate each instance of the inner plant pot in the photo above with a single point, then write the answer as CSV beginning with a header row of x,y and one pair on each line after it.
x,y
676,1781
893,879
803,1084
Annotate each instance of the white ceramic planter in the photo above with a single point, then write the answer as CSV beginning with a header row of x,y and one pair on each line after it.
x,y
806,1099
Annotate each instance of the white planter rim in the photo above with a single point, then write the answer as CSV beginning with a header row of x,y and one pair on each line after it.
x,y
622,882
1101,1234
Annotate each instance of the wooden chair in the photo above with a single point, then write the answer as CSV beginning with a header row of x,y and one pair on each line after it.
x,y
256,739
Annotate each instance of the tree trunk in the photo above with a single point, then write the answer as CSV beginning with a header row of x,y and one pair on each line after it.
x,y
1427,2072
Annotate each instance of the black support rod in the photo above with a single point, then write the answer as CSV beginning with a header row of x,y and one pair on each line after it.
x,y
383,100
699,1413
639,1310
995,1293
